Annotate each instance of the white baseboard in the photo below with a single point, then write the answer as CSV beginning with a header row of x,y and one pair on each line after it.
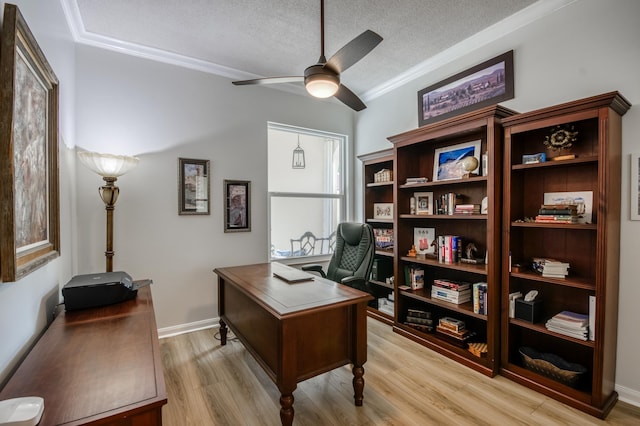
x,y
188,328
630,396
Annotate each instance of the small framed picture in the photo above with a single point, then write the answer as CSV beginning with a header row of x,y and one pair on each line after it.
x,y
449,162
383,210
424,202
424,240
193,186
237,202
635,186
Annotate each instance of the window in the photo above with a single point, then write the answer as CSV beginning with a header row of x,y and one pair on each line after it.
x,y
306,190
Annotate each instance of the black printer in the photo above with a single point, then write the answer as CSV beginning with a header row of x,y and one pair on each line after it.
x,y
100,289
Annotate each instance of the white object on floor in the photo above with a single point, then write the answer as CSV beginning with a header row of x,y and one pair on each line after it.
x,y
25,411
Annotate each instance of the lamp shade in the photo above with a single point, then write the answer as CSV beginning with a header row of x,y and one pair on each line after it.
x,y
108,165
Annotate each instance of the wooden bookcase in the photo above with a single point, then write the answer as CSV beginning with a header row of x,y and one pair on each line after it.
x,y
414,153
375,192
592,249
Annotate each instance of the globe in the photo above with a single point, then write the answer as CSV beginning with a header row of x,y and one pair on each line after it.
x,y
469,164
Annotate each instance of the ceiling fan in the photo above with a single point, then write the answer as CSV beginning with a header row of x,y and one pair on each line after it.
x,y
322,80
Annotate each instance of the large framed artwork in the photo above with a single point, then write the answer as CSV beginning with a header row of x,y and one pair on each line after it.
x,y
29,207
193,186
237,205
482,85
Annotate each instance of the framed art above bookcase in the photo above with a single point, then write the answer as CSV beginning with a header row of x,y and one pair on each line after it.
x,y
581,172
448,299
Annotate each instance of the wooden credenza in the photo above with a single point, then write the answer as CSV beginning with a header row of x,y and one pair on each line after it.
x,y
97,366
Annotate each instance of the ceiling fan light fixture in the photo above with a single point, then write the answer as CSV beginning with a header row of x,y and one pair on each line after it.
x,y
322,86
321,82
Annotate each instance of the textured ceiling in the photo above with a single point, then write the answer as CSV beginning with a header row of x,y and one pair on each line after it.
x,y
263,38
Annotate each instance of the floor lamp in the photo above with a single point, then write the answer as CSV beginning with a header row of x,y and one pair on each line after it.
x,y
110,167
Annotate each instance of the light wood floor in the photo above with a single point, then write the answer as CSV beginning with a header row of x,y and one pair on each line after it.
x,y
405,384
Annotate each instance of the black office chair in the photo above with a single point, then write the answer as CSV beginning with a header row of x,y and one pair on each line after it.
x,y
352,258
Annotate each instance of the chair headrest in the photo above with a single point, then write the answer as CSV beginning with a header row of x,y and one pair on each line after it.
x,y
351,232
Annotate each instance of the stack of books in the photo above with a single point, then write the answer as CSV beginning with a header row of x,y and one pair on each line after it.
x,y
467,209
420,320
479,294
454,331
451,291
550,268
416,180
557,213
570,324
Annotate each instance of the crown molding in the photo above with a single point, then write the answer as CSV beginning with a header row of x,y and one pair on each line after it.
x,y
520,19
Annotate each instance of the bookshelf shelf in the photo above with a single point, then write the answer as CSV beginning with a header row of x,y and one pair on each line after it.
x,y
374,184
592,249
444,216
424,296
467,267
445,183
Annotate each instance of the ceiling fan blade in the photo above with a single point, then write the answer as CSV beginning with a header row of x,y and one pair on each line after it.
x,y
270,80
353,51
349,98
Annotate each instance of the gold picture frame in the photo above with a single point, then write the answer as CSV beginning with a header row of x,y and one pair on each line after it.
x,y
29,194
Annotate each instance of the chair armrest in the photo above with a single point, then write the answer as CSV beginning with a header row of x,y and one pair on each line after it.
x,y
357,283
314,268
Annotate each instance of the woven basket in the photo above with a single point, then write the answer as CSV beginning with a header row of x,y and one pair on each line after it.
x,y
552,366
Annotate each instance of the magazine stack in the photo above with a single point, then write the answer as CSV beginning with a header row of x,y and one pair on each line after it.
x,y
570,324
451,291
550,268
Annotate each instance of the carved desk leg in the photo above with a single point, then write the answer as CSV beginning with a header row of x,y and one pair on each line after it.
x,y
223,333
358,384
286,409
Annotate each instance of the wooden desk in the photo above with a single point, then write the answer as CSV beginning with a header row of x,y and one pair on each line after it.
x,y
294,331
97,366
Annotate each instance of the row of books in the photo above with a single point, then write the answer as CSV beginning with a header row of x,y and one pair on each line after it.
x,y
446,203
449,248
570,324
557,213
550,268
480,298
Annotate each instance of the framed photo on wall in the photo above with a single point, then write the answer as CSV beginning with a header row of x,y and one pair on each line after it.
x,y
635,186
193,186
482,85
30,216
237,206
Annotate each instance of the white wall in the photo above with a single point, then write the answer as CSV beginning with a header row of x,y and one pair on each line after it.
x,y
160,112
587,48
26,306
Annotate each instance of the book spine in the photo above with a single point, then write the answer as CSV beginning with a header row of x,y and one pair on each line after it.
x,y
592,318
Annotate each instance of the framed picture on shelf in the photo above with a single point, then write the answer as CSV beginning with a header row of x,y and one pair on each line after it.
x,y
485,84
237,203
383,210
450,162
424,240
424,202
30,215
635,186
193,186
583,199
